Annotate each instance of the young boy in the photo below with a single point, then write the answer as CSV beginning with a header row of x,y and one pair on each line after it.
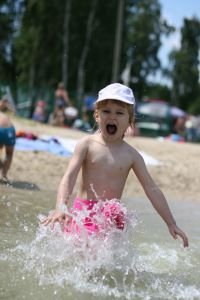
x,y
7,140
106,160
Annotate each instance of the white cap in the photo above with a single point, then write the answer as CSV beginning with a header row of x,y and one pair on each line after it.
x,y
71,112
116,91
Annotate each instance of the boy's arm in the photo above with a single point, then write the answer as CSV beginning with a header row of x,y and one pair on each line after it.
x,y
156,197
67,183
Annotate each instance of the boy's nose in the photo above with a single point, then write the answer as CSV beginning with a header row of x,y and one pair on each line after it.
x,y
112,116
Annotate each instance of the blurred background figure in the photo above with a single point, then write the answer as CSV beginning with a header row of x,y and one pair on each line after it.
x,y
70,113
39,113
88,108
7,142
179,126
83,123
57,118
61,102
5,105
191,129
64,112
63,117
61,98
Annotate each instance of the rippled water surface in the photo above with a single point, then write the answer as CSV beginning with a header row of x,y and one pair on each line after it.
x,y
142,262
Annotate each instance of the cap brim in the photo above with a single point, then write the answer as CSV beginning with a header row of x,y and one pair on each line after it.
x,y
114,98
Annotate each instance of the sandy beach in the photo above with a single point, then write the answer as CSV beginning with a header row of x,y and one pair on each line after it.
x,y
177,174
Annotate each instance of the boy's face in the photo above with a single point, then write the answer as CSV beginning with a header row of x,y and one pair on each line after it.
x,y
113,119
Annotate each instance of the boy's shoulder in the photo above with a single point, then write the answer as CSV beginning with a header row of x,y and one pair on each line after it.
x,y
82,145
133,152
130,147
84,141
89,139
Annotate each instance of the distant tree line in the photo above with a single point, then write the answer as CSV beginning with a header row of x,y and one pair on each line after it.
x,y
44,42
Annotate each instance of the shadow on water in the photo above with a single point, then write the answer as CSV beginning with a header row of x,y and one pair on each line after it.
x,y
24,185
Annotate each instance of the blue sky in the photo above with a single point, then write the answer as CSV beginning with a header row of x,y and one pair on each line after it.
x,y
174,11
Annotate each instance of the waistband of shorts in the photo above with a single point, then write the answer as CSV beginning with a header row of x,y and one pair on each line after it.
x,y
85,201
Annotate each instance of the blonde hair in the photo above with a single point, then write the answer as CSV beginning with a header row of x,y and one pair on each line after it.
x,y
129,107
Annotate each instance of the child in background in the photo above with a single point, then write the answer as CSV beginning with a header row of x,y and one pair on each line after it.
x,y
106,160
61,97
7,140
39,113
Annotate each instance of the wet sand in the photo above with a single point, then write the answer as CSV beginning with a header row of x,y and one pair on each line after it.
x,y
178,175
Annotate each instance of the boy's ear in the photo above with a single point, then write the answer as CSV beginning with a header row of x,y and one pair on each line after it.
x,y
96,116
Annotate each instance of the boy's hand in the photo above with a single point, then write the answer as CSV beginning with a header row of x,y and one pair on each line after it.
x,y
175,231
55,216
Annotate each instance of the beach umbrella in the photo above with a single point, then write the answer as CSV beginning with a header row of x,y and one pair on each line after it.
x,y
154,109
177,112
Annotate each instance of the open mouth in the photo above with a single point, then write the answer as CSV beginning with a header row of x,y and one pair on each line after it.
x,y
111,128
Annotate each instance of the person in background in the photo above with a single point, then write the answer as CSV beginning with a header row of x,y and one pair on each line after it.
x,y
7,141
61,97
5,105
88,108
62,101
82,124
191,128
39,113
179,126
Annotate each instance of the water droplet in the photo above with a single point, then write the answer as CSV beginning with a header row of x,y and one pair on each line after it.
x,y
25,228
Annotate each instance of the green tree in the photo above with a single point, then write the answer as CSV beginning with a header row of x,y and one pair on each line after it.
x,y
144,28
184,66
158,91
39,43
98,63
6,40
52,44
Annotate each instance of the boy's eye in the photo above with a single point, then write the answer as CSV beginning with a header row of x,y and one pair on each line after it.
x,y
106,111
120,113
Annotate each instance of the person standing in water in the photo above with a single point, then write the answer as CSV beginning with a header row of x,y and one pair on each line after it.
x,y
106,160
7,140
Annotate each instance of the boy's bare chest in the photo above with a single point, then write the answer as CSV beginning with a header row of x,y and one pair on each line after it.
x,y
106,159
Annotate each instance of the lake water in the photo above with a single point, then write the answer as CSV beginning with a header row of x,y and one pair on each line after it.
x,y
143,262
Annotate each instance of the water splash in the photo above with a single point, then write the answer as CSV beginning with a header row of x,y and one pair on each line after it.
x,y
113,267
92,264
